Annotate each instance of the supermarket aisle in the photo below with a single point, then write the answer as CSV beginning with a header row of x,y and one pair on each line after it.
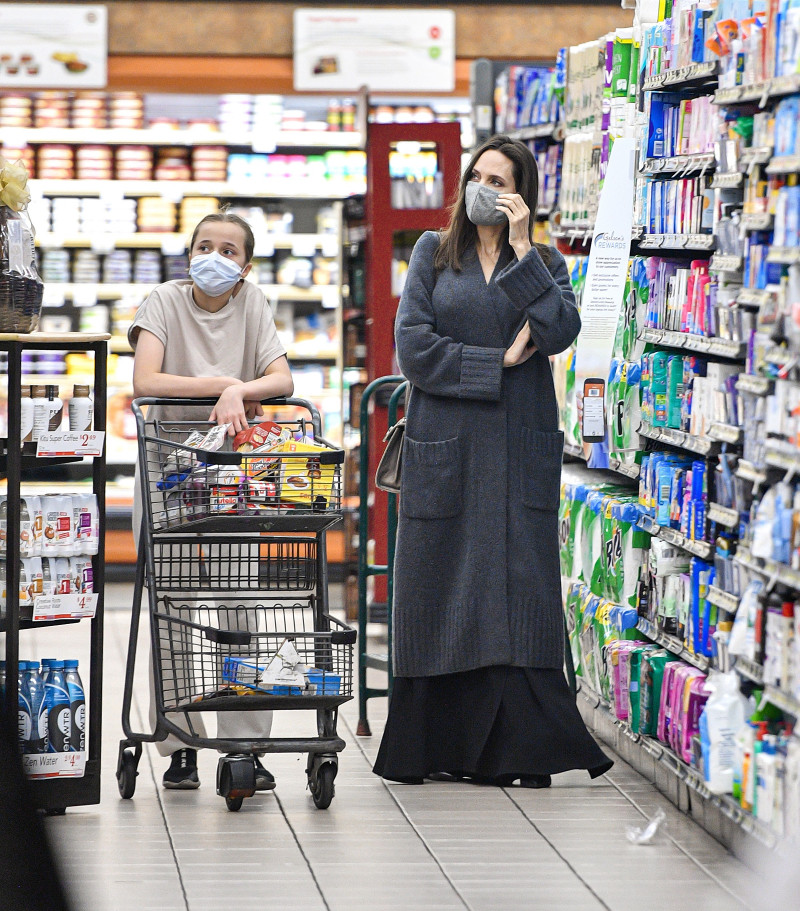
x,y
380,847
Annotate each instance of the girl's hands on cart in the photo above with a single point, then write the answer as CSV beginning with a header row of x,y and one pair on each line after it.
x,y
231,409
521,348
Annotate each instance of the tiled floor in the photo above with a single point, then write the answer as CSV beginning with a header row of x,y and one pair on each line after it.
x,y
380,846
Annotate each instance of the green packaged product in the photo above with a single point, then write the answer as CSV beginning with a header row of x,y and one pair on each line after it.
x,y
651,676
636,659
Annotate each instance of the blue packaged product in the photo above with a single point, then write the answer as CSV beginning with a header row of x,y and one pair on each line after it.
x,y
58,712
666,472
77,706
24,714
38,741
658,385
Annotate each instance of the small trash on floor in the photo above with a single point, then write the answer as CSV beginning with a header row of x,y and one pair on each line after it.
x,y
639,835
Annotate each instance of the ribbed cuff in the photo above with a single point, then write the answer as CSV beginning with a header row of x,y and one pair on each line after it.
x,y
526,279
481,373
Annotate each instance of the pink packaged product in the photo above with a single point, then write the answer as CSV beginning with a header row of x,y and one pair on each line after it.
x,y
694,701
674,694
683,678
621,662
664,703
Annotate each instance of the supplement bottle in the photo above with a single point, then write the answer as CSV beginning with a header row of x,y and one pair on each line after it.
x,y
58,713
26,415
81,409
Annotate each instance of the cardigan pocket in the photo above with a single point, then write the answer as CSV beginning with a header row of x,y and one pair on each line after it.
x,y
431,479
540,468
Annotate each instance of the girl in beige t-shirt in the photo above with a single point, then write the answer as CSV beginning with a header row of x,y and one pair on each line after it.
x,y
212,335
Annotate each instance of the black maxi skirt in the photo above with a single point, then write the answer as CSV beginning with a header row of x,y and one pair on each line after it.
x,y
493,725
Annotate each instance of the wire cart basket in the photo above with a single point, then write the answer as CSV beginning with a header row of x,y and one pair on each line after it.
x,y
232,553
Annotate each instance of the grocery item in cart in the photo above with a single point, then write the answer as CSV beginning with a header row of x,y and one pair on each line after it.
x,y
305,480
261,438
179,463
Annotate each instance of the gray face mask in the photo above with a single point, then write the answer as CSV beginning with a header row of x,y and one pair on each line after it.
x,y
481,201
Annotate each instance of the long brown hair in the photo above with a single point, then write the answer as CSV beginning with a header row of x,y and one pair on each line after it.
x,y
460,236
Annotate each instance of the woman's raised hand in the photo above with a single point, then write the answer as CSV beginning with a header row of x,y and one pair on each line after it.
x,y
519,220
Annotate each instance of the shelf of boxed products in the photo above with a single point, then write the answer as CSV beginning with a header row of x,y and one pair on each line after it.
x,y
689,775
538,131
309,352
703,344
701,242
681,439
787,256
175,190
754,155
701,549
722,599
759,92
266,141
725,262
170,243
784,164
672,644
330,295
679,165
682,77
723,515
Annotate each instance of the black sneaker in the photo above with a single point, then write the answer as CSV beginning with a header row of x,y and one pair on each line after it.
x,y
265,781
182,773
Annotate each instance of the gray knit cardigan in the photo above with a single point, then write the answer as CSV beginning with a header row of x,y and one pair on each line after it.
x,y
477,578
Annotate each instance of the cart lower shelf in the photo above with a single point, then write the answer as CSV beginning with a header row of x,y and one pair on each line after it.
x,y
259,701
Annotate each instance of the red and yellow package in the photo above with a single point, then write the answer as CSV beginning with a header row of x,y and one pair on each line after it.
x,y
306,480
265,434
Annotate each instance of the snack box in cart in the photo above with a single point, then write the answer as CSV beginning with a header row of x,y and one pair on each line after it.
x,y
305,480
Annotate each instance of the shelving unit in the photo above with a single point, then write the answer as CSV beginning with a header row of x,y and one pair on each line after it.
x,y
54,794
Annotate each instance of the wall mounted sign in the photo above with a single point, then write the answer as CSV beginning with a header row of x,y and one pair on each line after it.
x,y
340,50
53,45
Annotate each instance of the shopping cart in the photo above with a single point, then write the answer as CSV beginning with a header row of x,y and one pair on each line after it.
x,y
232,553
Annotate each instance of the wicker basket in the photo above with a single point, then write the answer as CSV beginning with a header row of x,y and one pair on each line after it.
x,y
21,289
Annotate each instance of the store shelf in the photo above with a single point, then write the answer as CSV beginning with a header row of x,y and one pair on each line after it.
x,y
574,232
299,244
783,701
627,469
754,155
703,242
771,569
755,385
701,549
682,771
760,92
727,180
722,599
672,644
722,262
155,136
782,455
756,297
683,165
703,446
749,669
537,131
30,460
725,433
684,76
788,256
748,472
723,515
784,164
719,347
176,190
757,221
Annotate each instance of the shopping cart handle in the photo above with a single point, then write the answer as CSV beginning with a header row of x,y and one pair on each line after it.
x,y
227,636
344,637
221,458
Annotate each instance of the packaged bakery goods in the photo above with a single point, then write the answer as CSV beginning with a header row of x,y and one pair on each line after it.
x,y
306,480
262,436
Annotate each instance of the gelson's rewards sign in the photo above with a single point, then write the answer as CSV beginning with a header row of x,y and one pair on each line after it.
x,y
53,45
408,50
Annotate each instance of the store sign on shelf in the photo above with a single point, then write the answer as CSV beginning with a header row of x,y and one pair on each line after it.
x,y
54,765
53,45
65,607
63,444
405,50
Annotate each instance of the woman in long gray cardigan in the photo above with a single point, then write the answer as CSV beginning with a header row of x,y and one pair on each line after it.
x,y
479,688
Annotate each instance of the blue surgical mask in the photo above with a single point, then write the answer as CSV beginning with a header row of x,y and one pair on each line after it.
x,y
214,274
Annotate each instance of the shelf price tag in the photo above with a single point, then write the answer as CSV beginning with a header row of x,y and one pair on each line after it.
x,y
65,607
265,140
111,193
65,443
54,765
103,244
53,296
265,245
330,297
50,240
303,246
173,244
84,296
171,191
330,245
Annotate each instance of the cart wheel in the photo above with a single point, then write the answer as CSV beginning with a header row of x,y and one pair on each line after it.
x,y
321,785
126,774
236,779
234,804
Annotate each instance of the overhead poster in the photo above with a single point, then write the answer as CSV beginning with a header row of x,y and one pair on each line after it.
x,y
53,45
341,50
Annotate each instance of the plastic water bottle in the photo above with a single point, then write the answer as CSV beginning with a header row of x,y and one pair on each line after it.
x,y
38,709
77,706
24,716
58,716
